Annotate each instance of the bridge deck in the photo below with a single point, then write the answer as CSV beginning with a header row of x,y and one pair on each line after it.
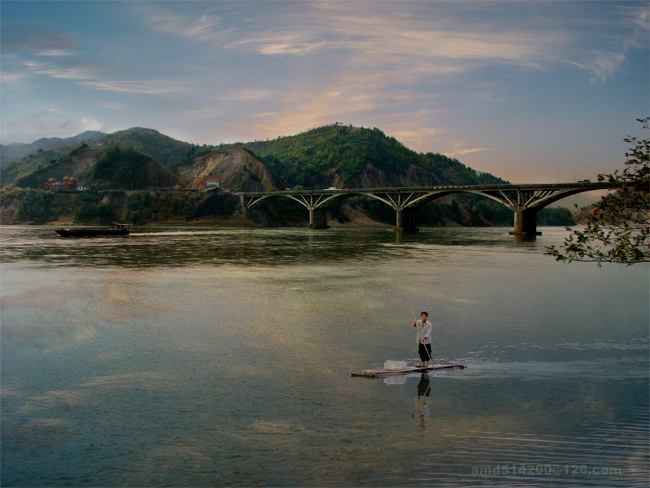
x,y
508,187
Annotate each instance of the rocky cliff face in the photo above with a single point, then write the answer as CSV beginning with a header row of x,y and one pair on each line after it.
x,y
239,168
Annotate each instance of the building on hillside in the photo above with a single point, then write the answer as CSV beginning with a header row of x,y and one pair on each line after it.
x,y
210,182
68,183
52,184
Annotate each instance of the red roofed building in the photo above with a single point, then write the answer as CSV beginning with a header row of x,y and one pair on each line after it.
x,y
68,183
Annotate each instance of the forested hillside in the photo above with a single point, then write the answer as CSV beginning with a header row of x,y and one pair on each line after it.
x,y
350,154
164,150
111,168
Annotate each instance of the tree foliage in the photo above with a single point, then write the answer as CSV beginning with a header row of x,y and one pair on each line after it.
x,y
346,150
617,229
121,168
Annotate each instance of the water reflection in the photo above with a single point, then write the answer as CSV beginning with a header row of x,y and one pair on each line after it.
x,y
422,411
190,246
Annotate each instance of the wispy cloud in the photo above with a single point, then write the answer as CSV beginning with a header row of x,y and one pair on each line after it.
x,y
600,65
460,149
52,122
58,71
269,43
382,39
201,26
55,52
142,87
252,95
120,107
36,37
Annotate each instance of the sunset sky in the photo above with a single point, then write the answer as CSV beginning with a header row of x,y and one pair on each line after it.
x,y
528,91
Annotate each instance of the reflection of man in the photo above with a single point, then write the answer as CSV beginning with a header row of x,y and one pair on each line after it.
x,y
422,411
424,338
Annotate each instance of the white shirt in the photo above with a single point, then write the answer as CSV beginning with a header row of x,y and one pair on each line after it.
x,y
424,331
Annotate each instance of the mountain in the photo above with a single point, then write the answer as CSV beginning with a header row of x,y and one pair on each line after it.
x,y
164,149
238,167
10,153
356,157
104,168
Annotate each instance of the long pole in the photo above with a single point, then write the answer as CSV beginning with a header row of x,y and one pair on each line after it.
x,y
412,312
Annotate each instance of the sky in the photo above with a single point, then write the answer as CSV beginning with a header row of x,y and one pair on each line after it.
x,y
532,92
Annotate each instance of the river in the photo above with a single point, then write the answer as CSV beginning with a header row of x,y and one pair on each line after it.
x,y
187,357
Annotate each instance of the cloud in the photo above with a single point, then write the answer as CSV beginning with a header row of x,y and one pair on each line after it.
x,y
141,87
295,43
601,65
120,107
50,122
201,113
460,149
55,52
201,26
15,78
252,95
36,37
307,108
638,16
389,37
56,71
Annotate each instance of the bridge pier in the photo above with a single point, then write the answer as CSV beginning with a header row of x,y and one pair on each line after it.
x,y
318,219
525,223
405,221
245,211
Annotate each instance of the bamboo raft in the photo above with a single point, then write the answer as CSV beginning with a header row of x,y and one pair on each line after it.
x,y
382,372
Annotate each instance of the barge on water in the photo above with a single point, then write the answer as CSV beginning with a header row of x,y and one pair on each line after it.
x,y
114,230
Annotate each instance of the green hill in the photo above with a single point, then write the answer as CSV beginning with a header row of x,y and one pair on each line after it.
x,y
163,149
115,168
352,153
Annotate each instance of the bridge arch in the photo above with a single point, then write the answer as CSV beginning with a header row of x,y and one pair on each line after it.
x,y
524,200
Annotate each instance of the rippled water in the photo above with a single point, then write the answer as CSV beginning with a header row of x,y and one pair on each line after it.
x,y
222,357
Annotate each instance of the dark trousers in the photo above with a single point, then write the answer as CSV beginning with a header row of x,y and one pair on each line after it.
x,y
425,352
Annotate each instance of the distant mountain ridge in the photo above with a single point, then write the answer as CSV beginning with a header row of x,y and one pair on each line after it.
x,y
14,152
161,148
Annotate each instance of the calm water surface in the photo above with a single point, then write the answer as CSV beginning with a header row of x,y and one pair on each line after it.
x,y
221,357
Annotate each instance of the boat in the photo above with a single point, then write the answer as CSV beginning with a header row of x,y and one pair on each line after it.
x,y
383,372
114,230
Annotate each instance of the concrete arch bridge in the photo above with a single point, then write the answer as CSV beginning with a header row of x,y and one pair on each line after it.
x,y
524,200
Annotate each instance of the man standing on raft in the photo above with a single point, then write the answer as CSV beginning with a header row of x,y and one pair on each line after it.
x,y
424,338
